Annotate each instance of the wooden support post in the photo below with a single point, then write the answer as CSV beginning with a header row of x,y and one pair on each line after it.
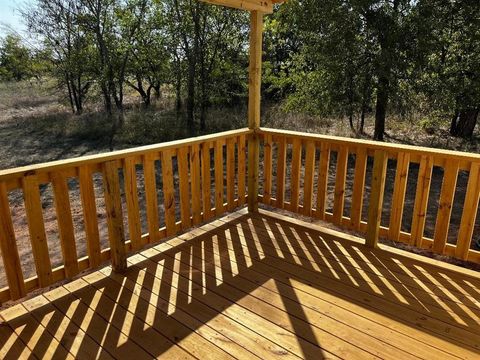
x,y
376,197
254,83
113,205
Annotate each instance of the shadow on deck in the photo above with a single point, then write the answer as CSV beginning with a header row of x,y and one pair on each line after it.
x,y
254,286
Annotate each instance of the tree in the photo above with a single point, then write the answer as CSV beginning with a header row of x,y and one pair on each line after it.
x,y
15,59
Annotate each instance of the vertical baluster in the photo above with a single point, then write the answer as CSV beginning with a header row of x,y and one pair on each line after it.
x,y
89,207
65,224
470,208
195,184
267,168
295,176
281,165
230,173
206,182
113,205
219,178
399,192
183,173
168,192
340,178
445,206
322,179
376,197
421,200
133,208
36,227
241,170
308,183
358,187
151,199
8,246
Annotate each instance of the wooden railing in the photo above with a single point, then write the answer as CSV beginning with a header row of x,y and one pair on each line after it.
x,y
197,179
376,188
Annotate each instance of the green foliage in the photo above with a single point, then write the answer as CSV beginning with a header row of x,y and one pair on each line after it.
x,y
15,59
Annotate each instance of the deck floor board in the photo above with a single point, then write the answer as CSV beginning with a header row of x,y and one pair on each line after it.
x,y
255,286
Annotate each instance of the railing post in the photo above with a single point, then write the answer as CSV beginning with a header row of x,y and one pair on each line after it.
x,y
113,204
254,83
376,197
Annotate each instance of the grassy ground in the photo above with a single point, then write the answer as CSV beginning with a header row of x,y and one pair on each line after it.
x,y
36,126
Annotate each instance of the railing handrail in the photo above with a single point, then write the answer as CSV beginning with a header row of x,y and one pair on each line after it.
x,y
374,145
15,173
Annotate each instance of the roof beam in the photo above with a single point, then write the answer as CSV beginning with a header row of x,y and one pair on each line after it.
x,y
265,6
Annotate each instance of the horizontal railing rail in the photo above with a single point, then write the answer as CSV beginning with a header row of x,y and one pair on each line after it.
x,y
376,188
141,195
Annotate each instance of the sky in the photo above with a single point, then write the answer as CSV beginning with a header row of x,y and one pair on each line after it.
x,y
10,16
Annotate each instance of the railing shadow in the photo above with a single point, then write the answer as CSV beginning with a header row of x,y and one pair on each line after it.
x,y
254,286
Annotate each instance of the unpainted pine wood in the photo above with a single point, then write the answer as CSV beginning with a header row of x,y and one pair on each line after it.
x,y
469,215
447,193
168,192
241,150
309,173
250,5
398,198
295,175
421,200
253,169
281,166
267,168
36,228
65,224
340,179
113,207
230,174
206,181
89,208
184,184
323,166
133,207
219,180
375,204
358,187
151,199
195,184
8,247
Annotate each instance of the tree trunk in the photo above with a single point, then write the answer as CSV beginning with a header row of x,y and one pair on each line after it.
x,y
191,96
381,108
464,122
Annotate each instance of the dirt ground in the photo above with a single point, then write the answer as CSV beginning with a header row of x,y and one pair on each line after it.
x,y
36,127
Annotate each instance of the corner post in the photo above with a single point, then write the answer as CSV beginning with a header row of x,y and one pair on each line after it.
x,y
376,197
254,84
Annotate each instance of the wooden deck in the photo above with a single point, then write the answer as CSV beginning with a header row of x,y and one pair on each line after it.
x,y
258,286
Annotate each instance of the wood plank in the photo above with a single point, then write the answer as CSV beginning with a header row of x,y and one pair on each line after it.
x,y
281,166
168,192
375,204
113,207
358,187
206,182
447,193
253,169
219,178
195,184
267,168
469,215
133,207
241,151
8,247
151,199
36,228
308,182
230,174
65,224
89,208
421,200
398,198
184,185
295,175
340,179
265,6
323,168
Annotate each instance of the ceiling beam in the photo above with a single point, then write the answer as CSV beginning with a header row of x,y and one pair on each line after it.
x,y
265,6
